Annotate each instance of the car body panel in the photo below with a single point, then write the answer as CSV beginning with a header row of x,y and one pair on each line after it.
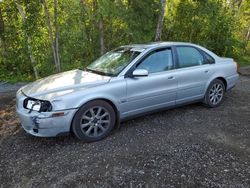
x,y
192,82
43,124
130,96
145,93
59,84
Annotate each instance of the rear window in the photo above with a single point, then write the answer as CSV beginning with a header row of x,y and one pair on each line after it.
x,y
189,56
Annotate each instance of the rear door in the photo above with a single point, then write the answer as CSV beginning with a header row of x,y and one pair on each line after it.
x,y
193,71
156,90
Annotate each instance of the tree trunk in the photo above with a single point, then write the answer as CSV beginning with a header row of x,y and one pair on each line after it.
x,y
101,31
33,62
247,39
97,14
32,59
82,5
2,41
248,34
50,34
56,37
239,8
160,21
1,22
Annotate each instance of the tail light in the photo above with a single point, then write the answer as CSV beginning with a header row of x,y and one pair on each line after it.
x,y
237,66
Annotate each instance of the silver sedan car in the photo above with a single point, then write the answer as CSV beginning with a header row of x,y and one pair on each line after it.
x,y
126,82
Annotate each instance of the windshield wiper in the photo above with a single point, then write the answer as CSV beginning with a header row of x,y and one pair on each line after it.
x,y
99,72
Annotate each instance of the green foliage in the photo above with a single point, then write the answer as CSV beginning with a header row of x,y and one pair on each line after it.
x,y
219,25
207,23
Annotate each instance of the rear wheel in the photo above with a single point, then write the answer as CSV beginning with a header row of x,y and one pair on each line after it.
x,y
94,121
215,93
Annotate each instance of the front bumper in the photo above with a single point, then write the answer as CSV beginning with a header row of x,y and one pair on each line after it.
x,y
42,124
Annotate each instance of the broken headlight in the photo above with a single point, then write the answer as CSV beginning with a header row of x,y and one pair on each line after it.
x,y
37,105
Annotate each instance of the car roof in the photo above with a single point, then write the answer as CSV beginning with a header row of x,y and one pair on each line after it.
x,y
167,43
158,44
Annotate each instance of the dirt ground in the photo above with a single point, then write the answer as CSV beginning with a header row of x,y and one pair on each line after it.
x,y
191,146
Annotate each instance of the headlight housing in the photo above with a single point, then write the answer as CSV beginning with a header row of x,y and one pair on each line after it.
x,y
37,105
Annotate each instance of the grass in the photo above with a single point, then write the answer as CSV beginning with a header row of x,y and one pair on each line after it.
x,y
243,61
16,78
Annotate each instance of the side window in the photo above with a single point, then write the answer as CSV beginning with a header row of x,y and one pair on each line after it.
x,y
157,61
208,59
189,56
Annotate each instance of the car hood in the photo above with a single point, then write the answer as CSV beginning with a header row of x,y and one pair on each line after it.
x,y
63,83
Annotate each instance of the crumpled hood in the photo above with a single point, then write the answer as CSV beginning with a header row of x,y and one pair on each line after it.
x,y
63,83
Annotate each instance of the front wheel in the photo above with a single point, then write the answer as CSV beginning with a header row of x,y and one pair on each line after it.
x,y
94,121
215,93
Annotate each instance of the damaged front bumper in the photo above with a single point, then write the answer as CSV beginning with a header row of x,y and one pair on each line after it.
x,y
44,124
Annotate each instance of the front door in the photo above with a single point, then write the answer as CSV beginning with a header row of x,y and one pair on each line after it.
x,y
157,90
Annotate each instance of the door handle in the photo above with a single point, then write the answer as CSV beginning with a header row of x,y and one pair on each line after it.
x,y
206,71
171,77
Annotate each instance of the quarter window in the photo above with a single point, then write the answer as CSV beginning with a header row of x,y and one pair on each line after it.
x,y
157,61
209,59
189,56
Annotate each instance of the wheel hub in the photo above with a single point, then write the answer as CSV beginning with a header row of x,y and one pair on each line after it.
x,y
96,120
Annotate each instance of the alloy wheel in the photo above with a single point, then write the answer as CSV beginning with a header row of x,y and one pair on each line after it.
x,y
95,121
216,93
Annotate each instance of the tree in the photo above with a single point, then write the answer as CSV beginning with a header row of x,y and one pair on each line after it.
x,y
77,32
2,42
99,16
32,59
1,22
248,34
56,37
53,42
160,21
247,39
101,30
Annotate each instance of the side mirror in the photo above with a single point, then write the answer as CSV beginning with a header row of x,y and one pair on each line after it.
x,y
140,72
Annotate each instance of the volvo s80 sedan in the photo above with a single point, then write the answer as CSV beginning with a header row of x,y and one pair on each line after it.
x,y
126,82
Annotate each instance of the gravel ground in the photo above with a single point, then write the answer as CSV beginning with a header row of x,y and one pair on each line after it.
x,y
7,87
191,146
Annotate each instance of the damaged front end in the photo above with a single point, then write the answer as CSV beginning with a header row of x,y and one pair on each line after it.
x,y
38,118
37,105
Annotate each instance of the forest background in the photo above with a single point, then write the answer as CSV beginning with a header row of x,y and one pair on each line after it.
x,y
42,37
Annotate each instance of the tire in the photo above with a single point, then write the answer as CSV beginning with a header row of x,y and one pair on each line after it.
x,y
215,93
94,121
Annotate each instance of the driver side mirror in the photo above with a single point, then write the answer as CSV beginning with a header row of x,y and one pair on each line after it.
x,y
140,73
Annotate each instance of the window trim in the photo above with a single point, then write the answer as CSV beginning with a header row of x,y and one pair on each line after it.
x,y
139,61
202,53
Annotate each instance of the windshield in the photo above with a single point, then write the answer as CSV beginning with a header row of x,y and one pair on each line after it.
x,y
113,62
